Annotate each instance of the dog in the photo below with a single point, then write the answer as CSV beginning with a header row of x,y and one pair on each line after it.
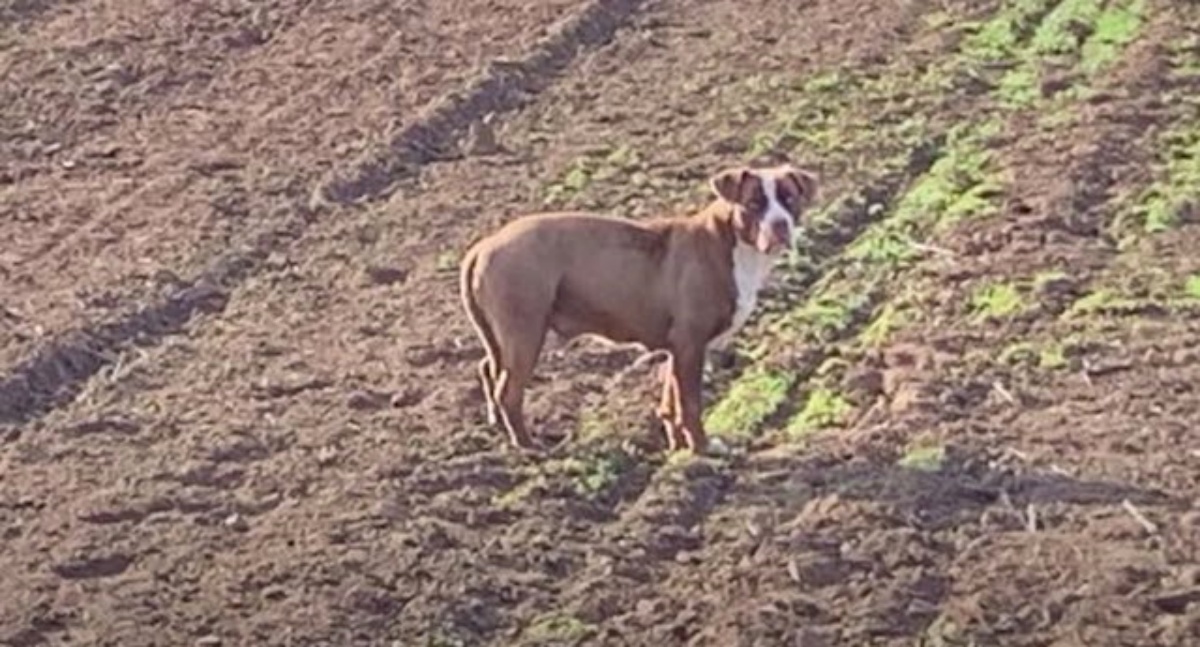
x,y
677,285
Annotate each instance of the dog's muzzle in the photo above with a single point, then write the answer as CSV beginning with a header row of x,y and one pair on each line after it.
x,y
776,237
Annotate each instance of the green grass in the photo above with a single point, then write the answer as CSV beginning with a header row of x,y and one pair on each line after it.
x,y
823,408
1020,87
1052,357
1160,207
958,186
1000,37
596,166
750,400
827,314
1060,31
1191,287
1116,27
1175,188
590,474
962,184
996,300
1185,58
890,318
599,474
1087,36
1137,285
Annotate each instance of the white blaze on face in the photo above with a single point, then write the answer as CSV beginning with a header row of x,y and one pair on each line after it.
x,y
775,218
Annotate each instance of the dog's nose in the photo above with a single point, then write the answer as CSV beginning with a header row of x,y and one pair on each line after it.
x,y
781,231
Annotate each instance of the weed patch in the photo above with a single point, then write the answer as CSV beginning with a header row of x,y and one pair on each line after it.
x,y
961,184
750,400
1191,287
999,38
1116,27
1053,357
890,318
823,408
597,166
1176,194
996,301
591,475
1081,37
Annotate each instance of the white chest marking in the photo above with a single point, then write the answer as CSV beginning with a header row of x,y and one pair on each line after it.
x,y
750,270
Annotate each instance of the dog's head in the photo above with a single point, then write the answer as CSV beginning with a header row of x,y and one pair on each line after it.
x,y
767,203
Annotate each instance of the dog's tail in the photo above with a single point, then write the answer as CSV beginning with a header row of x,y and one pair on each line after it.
x,y
478,318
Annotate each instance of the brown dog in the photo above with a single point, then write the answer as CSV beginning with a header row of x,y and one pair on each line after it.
x,y
677,284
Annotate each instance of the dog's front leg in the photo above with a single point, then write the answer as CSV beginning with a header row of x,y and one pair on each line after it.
x,y
668,409
687,372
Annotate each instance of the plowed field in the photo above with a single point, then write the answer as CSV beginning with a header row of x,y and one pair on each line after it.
x,y
238,402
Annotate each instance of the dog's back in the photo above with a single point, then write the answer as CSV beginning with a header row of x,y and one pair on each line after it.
x,y
578,272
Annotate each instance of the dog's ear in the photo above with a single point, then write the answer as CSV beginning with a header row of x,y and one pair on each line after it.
x,y
806,182
729,183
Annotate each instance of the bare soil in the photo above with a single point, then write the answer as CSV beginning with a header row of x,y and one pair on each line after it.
x,y
307,464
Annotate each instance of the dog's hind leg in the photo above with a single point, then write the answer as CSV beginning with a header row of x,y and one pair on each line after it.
x,y
520,354
520,342
489,366
487,380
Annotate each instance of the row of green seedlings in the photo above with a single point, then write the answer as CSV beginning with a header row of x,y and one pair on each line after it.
x,y
1142,281
1174,194
1132,286
847,291
958,186
1084,40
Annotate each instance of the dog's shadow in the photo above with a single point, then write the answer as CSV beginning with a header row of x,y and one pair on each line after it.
x,y
957,492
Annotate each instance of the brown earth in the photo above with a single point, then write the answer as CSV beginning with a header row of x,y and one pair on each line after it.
x,y
307,464
142,138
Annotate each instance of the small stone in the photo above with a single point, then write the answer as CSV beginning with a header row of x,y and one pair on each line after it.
x,y
326,455
236,522
687,557
209,641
